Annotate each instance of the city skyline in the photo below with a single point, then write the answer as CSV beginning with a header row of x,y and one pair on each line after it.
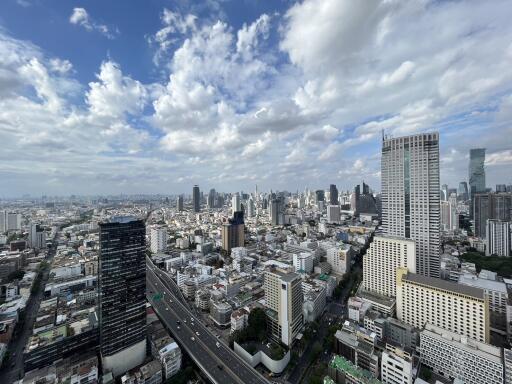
x,y
226,95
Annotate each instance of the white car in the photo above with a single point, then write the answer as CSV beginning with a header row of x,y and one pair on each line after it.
x,y
193,338
197,333
217,344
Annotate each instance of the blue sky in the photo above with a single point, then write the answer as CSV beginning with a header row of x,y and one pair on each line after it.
x,y
157,95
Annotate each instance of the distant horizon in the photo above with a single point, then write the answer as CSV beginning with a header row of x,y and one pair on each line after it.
x,y
98,99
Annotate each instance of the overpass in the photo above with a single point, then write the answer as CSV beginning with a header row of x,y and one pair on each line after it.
x,y
216,360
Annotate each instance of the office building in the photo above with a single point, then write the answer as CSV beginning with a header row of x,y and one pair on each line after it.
x,y
179,203
233,232
501,188
498,238
462,191
276,210
488,206
36,236
333,194
236,203
460,357
449,216
283,301
320,195
444,190
333,214
410,195
122,287
158,237
476,171
454,307
196,199
382,259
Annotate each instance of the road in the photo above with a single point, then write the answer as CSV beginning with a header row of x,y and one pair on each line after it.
x,y
9,374
219,363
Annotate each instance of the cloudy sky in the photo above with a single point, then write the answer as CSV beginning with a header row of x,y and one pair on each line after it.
x,y
157,95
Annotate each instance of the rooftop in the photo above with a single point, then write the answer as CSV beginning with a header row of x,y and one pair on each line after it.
x,y
363,376
445,285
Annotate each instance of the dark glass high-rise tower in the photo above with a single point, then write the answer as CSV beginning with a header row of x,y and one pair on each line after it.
x,y
196,199
122,288
476,171
333,194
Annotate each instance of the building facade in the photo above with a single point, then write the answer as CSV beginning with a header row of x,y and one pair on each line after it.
x,y
283,301
454,307
458,357
380,263
410,195
498,238
122,287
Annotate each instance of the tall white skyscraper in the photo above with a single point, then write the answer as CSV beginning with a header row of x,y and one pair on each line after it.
x,y
410,195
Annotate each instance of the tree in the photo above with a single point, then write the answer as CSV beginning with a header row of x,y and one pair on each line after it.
x,y
257,323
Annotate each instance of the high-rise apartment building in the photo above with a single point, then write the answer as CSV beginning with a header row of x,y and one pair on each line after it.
x,y
158,236
233,232
36,236
196,199
382,259
179,203
449,216
488,206
454,307
410,195
498,238
476,170
9,221
333,194
283,299
122,288
333,214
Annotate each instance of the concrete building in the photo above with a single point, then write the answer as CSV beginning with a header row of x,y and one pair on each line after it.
x,y
220,313
158,239
497,295
454,307
283,301
333,214
396,366
9,221
339,258
196,199
303,262
314,304
461,358
179,203
410,195
233,232
383,257
498,238
343,371
239,320
487,206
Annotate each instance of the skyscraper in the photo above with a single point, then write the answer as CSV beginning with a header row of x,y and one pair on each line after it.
x,y
333,194
490,206
179,203
235,203
445,192
233,232
283,299
211,198
122,288
196,199
462,192
476,170
410,195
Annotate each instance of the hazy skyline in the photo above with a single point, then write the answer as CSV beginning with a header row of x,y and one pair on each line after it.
x,y
156,96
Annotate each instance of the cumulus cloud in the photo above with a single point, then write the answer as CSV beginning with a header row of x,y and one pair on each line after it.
x,y
81,17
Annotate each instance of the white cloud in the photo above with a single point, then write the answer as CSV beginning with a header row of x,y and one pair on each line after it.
x,y
115,94
81,17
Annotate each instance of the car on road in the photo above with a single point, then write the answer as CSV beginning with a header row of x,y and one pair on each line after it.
x,y
193,338
221,367
197,333
217,344
178,327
